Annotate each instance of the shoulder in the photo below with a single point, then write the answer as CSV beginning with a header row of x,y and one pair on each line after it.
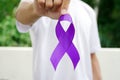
x,y
78,6
87,7
79,9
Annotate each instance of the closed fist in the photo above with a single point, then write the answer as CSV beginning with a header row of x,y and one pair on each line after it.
x,y
51,8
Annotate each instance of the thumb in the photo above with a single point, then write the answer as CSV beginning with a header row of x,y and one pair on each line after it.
x,y
65,6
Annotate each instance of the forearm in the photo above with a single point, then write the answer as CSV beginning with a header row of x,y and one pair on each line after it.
x,y
25,13
95,67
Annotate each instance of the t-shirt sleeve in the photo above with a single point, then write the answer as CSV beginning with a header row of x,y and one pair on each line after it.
x,y
22,28
94,40
94,35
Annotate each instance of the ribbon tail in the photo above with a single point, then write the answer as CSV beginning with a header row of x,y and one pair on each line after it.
x,y
57,55
73,54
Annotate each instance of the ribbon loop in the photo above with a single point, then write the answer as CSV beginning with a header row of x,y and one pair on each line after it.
x,y
65,43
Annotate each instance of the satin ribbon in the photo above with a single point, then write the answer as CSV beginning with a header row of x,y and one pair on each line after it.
x,y
65,44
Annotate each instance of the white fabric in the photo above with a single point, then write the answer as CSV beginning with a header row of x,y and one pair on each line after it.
x,y
44,41
33,0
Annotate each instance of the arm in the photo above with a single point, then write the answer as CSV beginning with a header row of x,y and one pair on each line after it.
x,y
28,12
95,67
25,13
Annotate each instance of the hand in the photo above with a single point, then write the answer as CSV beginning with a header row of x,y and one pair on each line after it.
x,y
51,8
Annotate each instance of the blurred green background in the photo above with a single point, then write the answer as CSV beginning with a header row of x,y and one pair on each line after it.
x,y
108,13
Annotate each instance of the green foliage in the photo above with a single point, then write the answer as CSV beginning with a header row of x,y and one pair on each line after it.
x,y
109,35
92,3
9,36
108,21
7,7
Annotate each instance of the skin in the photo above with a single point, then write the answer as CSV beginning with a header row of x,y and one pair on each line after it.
x,y
52,9
95,67
38,8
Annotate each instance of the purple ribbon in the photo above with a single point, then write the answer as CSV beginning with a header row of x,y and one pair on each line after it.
x,y
65,43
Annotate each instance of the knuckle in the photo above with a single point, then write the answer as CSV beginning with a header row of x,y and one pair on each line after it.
x,y
57,3
49,5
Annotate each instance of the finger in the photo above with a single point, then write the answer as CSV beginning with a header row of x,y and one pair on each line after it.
x,y
41,3
57,4
65,6
48,4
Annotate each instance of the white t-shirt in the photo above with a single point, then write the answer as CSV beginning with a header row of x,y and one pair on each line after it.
x,y
44,41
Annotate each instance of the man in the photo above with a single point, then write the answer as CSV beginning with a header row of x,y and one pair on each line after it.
x,y
40,18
